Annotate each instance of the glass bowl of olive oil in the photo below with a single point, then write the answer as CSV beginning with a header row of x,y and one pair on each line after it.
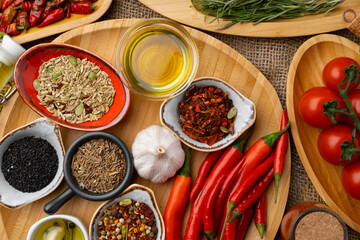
x,y
157,58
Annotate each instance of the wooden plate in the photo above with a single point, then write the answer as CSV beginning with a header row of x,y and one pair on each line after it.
x,y
305,72
216,59
183,12
75,20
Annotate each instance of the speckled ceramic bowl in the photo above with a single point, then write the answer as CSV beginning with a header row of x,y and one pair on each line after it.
x,y
137,193
45,129
169,115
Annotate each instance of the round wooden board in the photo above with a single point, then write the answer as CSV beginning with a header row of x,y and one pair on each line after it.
x,y
183,12
306,72
75,20
216,59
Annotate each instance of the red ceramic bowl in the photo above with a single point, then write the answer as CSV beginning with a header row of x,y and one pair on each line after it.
x,y
27,70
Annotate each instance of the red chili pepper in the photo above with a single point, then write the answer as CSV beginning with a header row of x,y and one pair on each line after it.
x,y
50,6
54,16
244,223
204,169
239,191
36,11
260,214
1,3
176,205
228,160
23,20
197,108
6,4
7,17
280,153
60,3
231,231
208,216
68,5
254,194
26,6
12,29
83,8
18,2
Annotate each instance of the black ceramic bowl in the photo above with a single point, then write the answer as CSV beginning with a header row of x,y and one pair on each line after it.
x,y
74,188
312,210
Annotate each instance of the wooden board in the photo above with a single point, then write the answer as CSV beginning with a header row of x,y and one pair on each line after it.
x,y
306,72
75,20
216,59
183,12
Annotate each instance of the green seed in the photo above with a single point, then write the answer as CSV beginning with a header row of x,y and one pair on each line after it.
x,y
111,102
50,68
36,84
224,129
81,96
206,111
73,60
56,75
232,113
125,202
92,75
79,109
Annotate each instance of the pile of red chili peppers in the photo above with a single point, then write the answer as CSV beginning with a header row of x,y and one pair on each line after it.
x,y
231,187
19,15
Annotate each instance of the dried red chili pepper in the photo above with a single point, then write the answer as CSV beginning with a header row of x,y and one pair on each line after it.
x,y
208,216
1,3
204,169
6,4
253,195
36,11
26,6
54,16
23,20
177,202
18,2
7,17
68,5
50,6
260,214
280,153
83,8
60,3
12,29
244,223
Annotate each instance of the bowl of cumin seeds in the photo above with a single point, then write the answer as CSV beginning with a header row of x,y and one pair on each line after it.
x,y
97,166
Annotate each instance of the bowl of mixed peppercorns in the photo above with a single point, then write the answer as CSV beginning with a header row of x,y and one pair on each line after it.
x,y
134,214
31,159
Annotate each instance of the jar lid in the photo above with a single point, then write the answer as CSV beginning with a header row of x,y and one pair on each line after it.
x,y
10,51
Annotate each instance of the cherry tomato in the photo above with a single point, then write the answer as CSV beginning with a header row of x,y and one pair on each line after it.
x,y
350,179
354,99
333,73
329,142
311,106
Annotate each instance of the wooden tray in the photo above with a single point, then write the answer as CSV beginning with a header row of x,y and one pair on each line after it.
x,y
75,20
183,12
216,59
305,72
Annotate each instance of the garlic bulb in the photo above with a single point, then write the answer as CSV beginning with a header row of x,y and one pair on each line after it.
x,y
157,154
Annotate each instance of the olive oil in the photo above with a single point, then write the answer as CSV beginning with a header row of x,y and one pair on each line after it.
x,y
58,229
157,61
5,74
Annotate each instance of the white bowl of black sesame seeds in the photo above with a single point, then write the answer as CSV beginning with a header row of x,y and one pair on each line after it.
x,y
31,161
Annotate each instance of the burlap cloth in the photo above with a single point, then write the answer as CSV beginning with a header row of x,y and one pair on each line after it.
x,y
272,56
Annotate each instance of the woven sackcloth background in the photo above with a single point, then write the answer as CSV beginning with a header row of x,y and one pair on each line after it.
x,y
272,56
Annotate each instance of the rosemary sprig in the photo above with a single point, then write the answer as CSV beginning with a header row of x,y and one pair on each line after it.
x,y
257,11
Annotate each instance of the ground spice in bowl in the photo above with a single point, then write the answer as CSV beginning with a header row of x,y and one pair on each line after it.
x,y
29,164
318,223
98,166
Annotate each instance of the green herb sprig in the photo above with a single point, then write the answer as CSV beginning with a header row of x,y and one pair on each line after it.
x,y
257,11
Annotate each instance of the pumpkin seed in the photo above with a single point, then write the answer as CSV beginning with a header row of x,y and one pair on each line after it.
x,y
79,109
92,75
111,102
232,112
56,75
125,202
72,60
224,129
36,84
206,111
50,68
81,96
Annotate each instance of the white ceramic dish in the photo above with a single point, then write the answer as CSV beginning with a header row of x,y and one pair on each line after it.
x,y
138,193
45,129
169,115
73,219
